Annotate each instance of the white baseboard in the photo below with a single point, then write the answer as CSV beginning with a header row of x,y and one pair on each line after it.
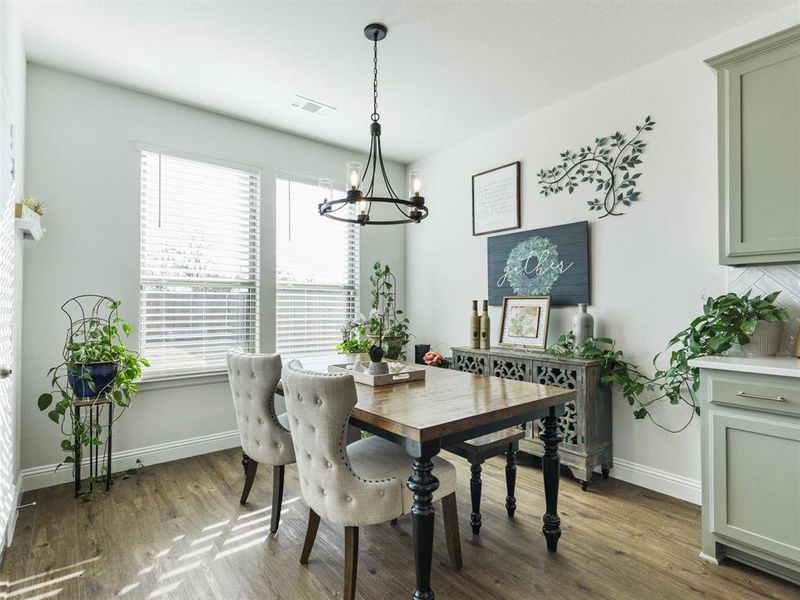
x,y
658,480
46,475
8,534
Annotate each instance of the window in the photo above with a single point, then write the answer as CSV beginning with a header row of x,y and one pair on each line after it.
x,y
317,272
199,264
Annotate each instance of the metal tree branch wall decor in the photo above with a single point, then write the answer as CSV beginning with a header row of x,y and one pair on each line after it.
x,y
609,165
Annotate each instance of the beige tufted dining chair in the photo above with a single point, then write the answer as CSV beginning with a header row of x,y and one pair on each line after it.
x,y
356,485
265,435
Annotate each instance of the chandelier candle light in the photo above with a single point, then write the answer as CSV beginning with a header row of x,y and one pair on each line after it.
x,y
412,210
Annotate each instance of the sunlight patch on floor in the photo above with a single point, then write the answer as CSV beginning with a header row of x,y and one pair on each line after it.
x,y
42,584
179,570
195,553
50,572
165,589
50,594
246,534
205,538
128,588
236,549
215,525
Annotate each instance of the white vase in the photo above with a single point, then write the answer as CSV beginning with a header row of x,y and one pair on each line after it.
x,y
379,368
582,324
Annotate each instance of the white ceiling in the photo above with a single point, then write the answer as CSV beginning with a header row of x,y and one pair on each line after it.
x,y
448,70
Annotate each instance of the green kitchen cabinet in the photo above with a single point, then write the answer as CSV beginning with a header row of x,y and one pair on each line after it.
x,y
758,88
750,448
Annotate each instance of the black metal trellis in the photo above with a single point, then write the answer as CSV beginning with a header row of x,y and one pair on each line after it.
x,y
87,312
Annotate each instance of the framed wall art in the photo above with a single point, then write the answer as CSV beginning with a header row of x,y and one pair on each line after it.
x,y
524,322
495,200
552,261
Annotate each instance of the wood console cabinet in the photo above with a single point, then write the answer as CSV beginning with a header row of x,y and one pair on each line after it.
x,y
586,426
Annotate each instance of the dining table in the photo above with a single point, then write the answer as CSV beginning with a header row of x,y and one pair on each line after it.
x,y
445,408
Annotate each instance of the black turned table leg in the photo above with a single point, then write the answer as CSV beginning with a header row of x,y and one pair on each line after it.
x,y
475,485
551,464
511,478
422,484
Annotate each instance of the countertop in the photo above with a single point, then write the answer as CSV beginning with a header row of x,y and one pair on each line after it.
x,y
782,366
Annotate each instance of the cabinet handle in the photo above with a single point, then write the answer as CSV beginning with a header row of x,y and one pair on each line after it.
x,y
759,397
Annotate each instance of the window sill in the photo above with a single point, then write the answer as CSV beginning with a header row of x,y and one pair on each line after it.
x,y
149,385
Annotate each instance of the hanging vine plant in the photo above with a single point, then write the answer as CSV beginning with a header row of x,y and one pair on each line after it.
x,y
609,165
726,321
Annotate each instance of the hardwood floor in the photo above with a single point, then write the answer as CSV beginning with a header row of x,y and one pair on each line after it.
x,y
177,531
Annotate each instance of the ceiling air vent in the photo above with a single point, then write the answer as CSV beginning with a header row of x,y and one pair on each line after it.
x,y
312,106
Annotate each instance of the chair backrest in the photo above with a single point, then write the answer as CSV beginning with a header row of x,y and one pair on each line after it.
x,y
319,407
253,378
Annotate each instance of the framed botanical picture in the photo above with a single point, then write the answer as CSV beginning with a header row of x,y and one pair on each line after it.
x,y
495,200
524,322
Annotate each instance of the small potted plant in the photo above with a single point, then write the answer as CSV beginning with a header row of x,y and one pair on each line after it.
x,y
28,212
355,349
754,323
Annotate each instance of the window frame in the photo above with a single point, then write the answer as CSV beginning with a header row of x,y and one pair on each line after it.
x,y
354,256
162,380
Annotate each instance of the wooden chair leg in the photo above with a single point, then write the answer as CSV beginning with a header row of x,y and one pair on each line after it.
x,y
311,535
511,479
451,534
250,468
277,496
475,486
350,562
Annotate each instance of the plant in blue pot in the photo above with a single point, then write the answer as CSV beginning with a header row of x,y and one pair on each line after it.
x,y
97,365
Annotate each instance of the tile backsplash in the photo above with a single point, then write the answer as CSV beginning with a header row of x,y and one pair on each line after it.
x,y
764,280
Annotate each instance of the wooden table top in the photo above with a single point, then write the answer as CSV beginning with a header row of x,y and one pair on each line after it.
x,y
447,402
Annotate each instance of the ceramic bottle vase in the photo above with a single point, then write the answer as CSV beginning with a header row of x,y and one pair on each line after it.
x,y
485,326
474,327
582,324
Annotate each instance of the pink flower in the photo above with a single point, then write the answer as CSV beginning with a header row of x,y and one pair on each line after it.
x,y
433,358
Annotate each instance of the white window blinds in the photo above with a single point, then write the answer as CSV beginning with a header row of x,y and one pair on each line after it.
x,y
199,264
317,272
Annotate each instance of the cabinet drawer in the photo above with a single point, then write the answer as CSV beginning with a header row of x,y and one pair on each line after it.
x,y
776,395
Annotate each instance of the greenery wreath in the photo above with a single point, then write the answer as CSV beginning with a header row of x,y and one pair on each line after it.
x,y
522,267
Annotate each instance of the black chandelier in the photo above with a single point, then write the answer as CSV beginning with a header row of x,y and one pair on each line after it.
x,y
412,210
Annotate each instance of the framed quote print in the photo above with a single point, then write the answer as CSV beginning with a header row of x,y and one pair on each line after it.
x,y
524,322
495,200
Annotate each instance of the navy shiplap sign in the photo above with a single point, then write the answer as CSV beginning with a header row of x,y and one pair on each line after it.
x,y
553,261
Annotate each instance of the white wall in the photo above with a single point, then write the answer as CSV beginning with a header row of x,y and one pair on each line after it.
x,y
83,163
12,80
650,268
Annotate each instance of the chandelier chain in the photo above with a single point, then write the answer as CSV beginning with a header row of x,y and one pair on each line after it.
x,y
375,115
